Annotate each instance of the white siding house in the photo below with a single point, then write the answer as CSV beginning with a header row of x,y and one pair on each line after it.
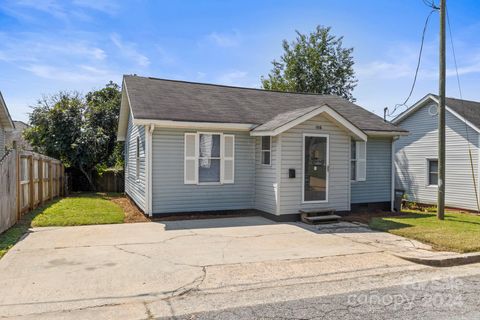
x,y
6,124
194,147
416,154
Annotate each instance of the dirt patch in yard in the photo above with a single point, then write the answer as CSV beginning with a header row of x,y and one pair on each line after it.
x,y
132,213
365,217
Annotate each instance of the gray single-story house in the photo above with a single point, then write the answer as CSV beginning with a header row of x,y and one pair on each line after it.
x,y
200,147
6,124
416,155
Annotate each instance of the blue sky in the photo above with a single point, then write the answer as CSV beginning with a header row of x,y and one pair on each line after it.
x,y
52,45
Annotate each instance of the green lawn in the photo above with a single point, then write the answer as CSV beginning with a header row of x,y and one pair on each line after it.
x,y
78,209
459,232
81,209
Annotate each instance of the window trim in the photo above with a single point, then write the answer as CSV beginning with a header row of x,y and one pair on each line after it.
x,y
197,155
137,158
262,151
356,160
427,170
222,158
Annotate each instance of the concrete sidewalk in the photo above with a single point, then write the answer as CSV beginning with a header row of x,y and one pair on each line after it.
x,y
147,270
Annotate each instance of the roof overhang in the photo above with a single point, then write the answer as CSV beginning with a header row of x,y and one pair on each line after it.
x,y
376,133
124,114
195,124
5,118
326,110
425,100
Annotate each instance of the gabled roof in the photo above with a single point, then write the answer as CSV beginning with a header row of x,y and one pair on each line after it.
x,y
181,101
465,110
5,119
290,119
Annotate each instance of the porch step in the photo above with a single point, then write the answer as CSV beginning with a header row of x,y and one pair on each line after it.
x,y
319,216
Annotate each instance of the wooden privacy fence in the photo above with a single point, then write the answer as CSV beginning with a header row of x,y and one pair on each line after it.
x,y
34,178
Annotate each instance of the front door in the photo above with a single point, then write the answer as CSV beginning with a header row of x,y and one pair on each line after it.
x,y
315,170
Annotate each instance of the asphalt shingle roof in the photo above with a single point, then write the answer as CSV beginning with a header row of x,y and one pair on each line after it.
x,y
159,99
465,108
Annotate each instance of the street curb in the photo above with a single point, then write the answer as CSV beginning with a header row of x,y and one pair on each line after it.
x,y
443,261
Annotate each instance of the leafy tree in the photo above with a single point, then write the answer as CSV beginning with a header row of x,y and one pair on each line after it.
x,y
80,131
314,63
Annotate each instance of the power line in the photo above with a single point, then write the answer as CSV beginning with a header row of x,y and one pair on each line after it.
x,y
431,4
463,109
404,104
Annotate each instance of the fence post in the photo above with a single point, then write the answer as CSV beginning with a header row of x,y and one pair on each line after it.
x,y
19,194
50,180
31,184
40,181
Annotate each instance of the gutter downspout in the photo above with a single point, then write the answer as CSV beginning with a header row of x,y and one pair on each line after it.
x,y
392,191
148,168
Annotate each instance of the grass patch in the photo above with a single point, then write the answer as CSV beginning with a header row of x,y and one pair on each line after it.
x,y
80,209
13,235
459,232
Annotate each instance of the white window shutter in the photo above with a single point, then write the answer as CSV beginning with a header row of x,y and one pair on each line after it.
x,y
228,165
190,165
361,150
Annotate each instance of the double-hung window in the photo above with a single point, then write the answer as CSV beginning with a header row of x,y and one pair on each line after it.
x,y
432,167
209,158
358,160
266,150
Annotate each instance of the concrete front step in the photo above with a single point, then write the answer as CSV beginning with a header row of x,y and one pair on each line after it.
x,y
329,218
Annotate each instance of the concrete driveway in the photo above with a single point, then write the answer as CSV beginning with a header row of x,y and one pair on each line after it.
x,y
148,270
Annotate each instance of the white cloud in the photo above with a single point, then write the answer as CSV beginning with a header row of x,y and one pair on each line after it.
x,y
225,39
235,78
28,47
59,9
106,6
401,62
79,73
130,51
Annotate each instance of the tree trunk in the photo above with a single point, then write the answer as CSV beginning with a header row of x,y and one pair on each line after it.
x,y
88,175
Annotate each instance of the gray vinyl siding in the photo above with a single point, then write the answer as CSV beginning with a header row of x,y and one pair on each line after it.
x,y
339,179
265,178
2,142
134,187
411,153
170,194
377,186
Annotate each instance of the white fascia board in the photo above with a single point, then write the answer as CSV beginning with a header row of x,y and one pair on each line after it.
x,y
461,118
124,114
413,108
373,133
195,125
323,109
434,99
9,126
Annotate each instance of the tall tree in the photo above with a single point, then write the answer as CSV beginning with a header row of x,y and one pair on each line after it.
x,y
314,63
80,131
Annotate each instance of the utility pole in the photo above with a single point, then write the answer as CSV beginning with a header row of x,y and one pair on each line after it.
x,y
441,118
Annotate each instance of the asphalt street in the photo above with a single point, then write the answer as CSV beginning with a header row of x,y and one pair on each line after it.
x,y
451,298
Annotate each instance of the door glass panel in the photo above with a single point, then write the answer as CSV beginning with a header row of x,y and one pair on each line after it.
x,y
315,184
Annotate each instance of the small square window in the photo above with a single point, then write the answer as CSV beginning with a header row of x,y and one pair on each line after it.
x,y
432,172
266,150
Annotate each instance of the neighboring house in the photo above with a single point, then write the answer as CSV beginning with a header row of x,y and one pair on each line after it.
x,y
416,155
6,124
16,136
203,147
